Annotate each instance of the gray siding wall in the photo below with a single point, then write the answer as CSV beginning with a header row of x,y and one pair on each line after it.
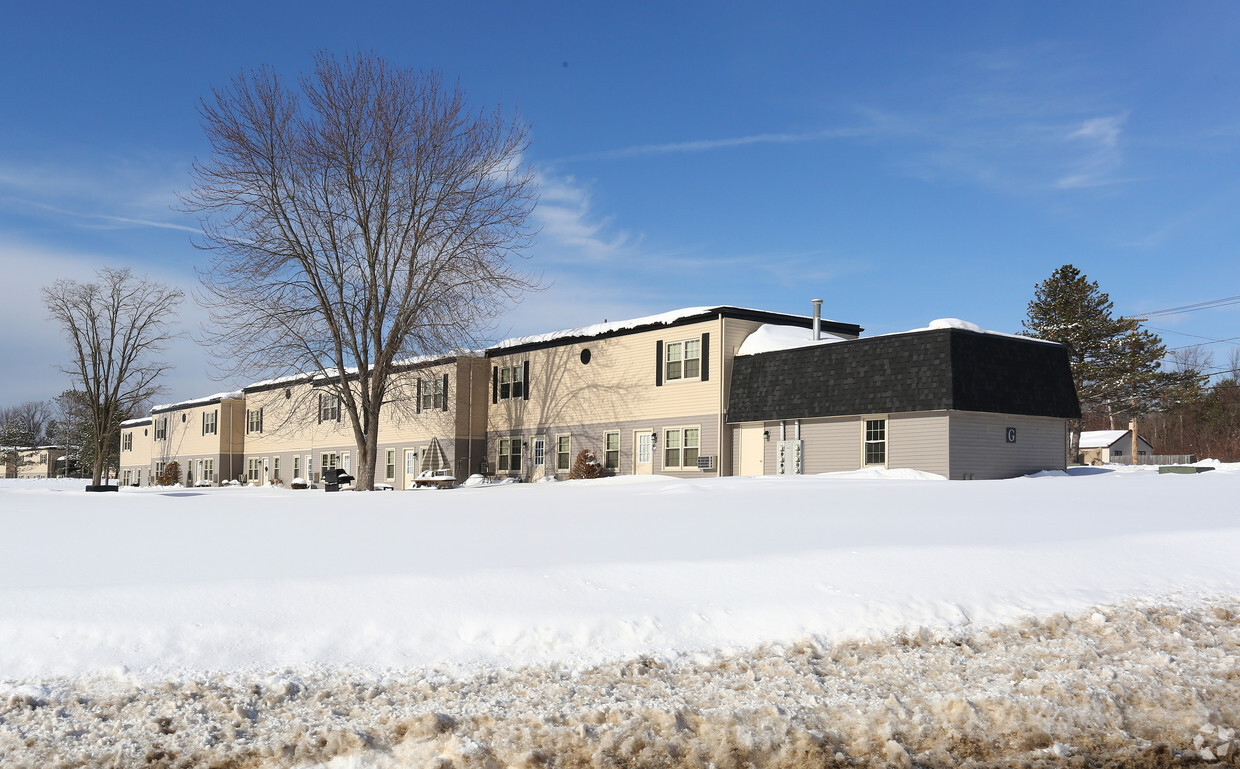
x,y
918,441
590,436
979,449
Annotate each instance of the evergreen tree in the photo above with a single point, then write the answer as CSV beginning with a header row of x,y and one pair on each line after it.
x,y
1116,365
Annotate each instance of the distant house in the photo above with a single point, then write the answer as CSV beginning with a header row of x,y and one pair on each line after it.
x,y
33,462
1101,446
205,437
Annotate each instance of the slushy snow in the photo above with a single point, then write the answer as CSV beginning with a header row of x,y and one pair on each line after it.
x,y
874,618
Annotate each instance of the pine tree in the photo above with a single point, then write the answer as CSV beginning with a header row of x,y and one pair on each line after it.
x,y
1116,365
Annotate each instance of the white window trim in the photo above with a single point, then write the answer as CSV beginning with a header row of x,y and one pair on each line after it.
x,y
886,439
389,464
681,429
606,435
569,468
684,343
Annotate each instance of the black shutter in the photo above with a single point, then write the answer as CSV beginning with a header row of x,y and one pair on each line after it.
x,y
495,384
418,398
445,392
339,407
320,408
706,357
525,385
658,363
260,419
204,423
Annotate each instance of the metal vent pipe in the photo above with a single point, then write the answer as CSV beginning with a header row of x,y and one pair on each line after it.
x,y
817,318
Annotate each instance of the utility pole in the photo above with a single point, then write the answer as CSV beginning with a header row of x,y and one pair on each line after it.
x,y
1132,426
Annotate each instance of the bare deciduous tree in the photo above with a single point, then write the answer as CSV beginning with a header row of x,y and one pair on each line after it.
x,y
365,217
114,325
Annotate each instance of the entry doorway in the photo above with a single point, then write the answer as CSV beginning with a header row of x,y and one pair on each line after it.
x,y
753,450
643,453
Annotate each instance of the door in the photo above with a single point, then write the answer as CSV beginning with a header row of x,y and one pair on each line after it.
x,y
753,450
643,454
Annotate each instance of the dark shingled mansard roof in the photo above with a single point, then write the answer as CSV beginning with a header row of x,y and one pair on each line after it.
x,y
918,371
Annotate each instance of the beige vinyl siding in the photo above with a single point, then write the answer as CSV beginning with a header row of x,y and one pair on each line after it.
x,y
185,440
617,385
918,441
139,455
830,444
979,449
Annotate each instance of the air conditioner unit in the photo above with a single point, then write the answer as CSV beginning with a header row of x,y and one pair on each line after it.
x,y
706,463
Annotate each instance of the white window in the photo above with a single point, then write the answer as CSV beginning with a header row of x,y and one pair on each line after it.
x,y
611,451
125,477
390,465
563,449
210,421
208,470
875,441
1117,452
411,463
432,394
161,429
127,442
296,466
254,420
254,470
539,452
275,468
511,382
683,360
310,468
329,407
327,461
681,446
509,458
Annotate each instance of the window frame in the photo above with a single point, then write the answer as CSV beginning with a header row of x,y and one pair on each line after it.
x,y
254,421
161,429
508,455
686,454
432,394
867,441
611,456
127,441
254,470
389,464
563,456
682,360
275,468
329,407
511,382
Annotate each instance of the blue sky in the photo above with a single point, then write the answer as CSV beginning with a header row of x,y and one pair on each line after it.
x,y
903,161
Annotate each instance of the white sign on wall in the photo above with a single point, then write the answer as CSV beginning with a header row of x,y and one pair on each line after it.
x,y
788,457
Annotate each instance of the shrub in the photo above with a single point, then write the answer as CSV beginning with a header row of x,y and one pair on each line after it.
x,y
587,465
171,475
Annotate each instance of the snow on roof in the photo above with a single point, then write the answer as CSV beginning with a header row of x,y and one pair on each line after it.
x,y
964,325
331,372
770,337
136,421
198,401
1100,439
664,318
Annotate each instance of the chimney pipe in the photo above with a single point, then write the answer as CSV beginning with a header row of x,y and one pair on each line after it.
x,y
817,318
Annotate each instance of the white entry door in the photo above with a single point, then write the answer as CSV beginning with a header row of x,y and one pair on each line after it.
x,y
753,450
643,455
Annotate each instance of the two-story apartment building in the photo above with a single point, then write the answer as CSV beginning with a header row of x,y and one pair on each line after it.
x,y
434,417
33,461
136,455
205,437
648,395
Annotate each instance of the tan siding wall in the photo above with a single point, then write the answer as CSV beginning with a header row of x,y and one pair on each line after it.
x,y
918,441
185,438
831,445
979,449
38,463
141,454
617,385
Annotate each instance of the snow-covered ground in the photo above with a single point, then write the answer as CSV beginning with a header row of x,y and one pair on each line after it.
x,y
859,618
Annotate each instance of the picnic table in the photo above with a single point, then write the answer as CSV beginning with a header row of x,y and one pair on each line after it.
x,y
435,479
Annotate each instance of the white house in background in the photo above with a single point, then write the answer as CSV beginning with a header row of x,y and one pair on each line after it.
x,y
1098,446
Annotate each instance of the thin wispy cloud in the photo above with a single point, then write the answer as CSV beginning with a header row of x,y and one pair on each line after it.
x,y
1020,120
710,145
569,229
107,221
